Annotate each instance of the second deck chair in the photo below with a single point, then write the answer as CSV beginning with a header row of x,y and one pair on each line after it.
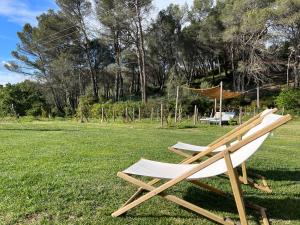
x,y
186,150
225,161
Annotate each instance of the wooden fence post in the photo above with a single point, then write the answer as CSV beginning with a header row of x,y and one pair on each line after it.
x,y
151,114
257,97
102,115
180,114
240,115
221,101
133,115
195,115
139,113
126,114
162,115
176,105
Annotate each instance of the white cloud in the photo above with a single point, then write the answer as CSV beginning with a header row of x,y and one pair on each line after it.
x,y
10,77
164,4
7,76
18,12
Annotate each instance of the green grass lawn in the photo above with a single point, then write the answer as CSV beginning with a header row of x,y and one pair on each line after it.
x,y
65,173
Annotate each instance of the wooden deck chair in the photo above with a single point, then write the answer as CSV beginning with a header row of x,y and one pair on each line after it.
x,y
186,150
225,161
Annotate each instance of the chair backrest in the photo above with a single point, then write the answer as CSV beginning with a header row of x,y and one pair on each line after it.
x,y
242,154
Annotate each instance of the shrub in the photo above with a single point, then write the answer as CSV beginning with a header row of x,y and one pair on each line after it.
x,y
289,99
83,110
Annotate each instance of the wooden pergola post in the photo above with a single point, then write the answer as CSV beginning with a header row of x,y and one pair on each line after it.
x,y
215,106
221,101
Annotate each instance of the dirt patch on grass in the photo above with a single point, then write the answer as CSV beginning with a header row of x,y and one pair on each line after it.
x,y
32,218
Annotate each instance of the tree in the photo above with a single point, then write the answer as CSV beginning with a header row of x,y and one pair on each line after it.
x,y
21,99
112,15
246,32
286,22
76,11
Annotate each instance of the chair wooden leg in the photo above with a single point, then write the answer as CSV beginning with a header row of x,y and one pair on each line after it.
x,y
235,185
176,200
244,173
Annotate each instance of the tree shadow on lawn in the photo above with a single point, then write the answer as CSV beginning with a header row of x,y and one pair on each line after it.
x,y
36,129
277,208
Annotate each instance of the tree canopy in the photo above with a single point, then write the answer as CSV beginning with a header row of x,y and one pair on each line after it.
x,y
128,55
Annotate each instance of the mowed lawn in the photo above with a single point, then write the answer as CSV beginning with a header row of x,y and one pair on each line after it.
x,y
65,173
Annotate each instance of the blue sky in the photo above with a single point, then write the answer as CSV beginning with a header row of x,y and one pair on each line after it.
x,y
15,13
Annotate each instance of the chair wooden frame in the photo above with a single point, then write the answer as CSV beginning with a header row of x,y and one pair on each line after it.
x,y
135,200
244,178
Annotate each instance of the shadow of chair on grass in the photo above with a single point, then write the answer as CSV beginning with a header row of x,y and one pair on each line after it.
x,y
279,174
282,207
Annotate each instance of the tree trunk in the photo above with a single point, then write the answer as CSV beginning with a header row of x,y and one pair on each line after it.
x,y
142,52
118,71
297,70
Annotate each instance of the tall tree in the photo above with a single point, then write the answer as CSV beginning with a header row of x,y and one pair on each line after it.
x,y
77,11
286,22
113,17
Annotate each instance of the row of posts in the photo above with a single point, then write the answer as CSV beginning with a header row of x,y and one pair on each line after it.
x,y
130,114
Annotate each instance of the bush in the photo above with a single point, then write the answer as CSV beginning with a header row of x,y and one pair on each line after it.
x,y
289,99
83,110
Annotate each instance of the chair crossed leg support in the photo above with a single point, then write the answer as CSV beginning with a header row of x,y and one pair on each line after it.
x,y
153,191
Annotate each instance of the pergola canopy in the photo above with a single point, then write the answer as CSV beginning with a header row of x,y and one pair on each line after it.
x,y
215,92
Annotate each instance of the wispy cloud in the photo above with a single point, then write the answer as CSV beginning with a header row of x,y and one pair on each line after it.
x,y
18,12
10,77
7,76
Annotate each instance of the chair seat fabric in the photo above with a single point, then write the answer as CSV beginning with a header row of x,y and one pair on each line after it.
x,y
195,148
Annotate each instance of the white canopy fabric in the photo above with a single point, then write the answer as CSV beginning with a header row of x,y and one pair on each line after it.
x,y
197,148
162,170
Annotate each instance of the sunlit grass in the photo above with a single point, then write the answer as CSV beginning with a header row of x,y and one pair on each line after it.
x,y
64,172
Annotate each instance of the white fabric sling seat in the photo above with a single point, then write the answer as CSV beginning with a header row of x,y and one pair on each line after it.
x,y
169,171
198,148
